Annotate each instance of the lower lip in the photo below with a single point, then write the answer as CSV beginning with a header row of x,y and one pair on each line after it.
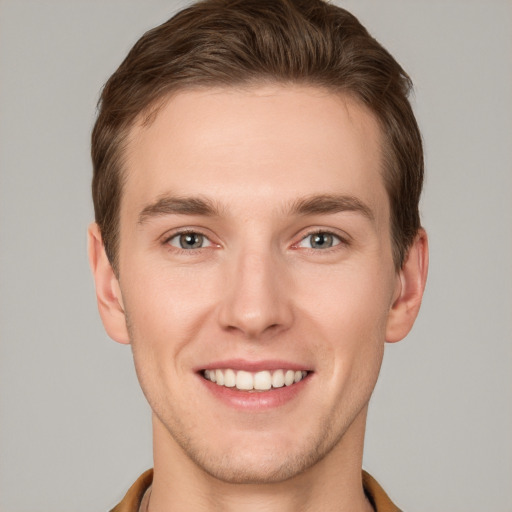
x,y
256,400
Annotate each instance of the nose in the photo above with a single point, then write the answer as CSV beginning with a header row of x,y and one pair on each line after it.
x,y
256,299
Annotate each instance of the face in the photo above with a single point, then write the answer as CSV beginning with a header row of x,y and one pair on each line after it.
x,y
256,276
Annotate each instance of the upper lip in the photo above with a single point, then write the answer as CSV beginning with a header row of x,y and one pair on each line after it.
x,y
254,366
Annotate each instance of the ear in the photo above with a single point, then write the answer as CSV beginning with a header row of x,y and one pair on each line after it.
x,y
108,292
410,286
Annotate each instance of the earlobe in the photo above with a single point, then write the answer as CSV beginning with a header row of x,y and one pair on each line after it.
x,y
108,292
412,278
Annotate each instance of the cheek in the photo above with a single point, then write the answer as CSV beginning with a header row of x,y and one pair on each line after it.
x,y
351,298
348,311
165,311
162,295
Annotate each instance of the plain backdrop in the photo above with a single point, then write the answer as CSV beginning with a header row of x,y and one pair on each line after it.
x,y
74,426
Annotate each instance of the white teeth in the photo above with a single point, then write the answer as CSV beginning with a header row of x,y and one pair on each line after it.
x,y
244,380
229,379
278,379
289,377
259,381
262,381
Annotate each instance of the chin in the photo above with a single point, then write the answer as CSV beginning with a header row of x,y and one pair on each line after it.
x,y
249,458
251,468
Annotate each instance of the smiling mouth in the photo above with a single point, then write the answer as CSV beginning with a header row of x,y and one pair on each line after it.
x,y
254,381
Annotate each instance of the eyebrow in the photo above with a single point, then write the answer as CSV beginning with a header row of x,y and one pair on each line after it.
x,y
330,204
322,204
174,205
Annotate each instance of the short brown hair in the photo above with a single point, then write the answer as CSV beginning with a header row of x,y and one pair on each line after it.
x,y
237,42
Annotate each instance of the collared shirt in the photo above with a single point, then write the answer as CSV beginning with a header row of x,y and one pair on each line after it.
x,y
138,494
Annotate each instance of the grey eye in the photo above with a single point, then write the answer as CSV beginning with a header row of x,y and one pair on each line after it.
x,y
189,241
320,240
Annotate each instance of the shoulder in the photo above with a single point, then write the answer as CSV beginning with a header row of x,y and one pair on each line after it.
x,y
377,496
133,498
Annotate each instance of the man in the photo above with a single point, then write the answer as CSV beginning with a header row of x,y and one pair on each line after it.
x,y
257,172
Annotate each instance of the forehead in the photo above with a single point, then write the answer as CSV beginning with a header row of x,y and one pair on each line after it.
x,y
269,144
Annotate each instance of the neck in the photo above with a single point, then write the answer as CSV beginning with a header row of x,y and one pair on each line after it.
x,y
333,483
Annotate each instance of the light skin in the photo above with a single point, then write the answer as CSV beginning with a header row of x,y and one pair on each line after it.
x,y
255,233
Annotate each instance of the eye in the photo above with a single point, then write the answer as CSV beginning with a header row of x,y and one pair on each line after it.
x,y
319,240
190,240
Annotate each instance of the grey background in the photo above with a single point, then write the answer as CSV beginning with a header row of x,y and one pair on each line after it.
x,y
74,427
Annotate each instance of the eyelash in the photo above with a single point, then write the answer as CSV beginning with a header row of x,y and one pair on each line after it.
x,y
341,241
177,234
338,241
